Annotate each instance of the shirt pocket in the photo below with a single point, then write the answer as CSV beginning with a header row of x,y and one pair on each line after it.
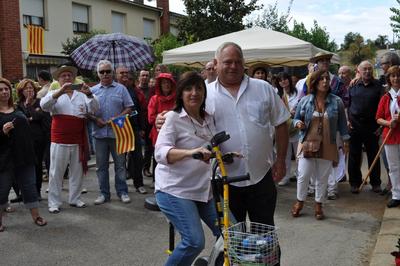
x,y
258,112
116,102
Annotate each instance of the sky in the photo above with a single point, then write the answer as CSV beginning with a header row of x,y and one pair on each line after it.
x,y
370,18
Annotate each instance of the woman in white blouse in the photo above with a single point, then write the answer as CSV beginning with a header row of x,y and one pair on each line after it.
x,y
182,184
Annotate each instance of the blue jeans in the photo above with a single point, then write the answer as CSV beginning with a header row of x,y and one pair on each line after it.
x,y
185,215
104,147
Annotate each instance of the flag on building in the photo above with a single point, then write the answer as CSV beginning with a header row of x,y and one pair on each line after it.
x,y
124,137
35,39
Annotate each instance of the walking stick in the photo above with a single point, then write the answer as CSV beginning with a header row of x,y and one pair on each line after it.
x,y
375,160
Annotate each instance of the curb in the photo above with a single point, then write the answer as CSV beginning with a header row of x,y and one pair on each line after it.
x,y
388,235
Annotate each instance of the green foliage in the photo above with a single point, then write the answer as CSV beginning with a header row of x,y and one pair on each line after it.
x,y
381,41
210,18
395,18
350,38
71,44
360,50
317,35
270,18
165,42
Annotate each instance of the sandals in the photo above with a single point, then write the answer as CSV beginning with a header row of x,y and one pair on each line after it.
x,y
39,221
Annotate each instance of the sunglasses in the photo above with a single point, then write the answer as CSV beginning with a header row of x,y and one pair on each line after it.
x,y
102,72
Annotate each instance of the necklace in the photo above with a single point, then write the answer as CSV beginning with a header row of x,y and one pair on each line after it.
x,y
200,133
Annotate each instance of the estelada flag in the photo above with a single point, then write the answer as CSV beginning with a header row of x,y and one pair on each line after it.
x,y
124,137
35,39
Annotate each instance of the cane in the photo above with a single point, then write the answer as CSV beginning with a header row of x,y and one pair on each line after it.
x,y
375,160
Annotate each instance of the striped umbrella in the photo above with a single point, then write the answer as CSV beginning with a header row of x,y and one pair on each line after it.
x,y
118,48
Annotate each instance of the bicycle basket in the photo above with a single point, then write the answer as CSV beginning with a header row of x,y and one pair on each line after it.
x,y
253,244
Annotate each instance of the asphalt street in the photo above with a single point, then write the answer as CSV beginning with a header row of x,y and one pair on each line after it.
x,y
128,234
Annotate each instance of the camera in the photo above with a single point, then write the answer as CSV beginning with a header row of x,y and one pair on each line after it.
x,y
76,86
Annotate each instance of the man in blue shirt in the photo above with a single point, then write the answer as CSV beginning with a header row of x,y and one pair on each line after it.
x,y
114,101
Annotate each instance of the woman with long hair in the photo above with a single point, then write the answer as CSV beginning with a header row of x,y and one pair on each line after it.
x,y
39,122
290,98
319,116
17,156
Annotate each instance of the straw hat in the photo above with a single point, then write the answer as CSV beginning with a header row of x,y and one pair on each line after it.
x,y
65,68
257,66
319,56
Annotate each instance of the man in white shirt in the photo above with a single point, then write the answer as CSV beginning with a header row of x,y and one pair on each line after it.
x,y
68,107
245,107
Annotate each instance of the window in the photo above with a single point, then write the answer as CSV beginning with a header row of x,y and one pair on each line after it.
x,y
118,22
174,30
33,12
80,18
148,29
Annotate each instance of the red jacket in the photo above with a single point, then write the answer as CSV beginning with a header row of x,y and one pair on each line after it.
x,y
159,102
384,113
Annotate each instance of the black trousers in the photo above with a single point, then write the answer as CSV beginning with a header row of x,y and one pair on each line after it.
x,y
258,201
370,141
135,163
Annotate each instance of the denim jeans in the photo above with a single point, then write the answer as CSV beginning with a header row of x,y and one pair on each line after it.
x,y
186,216
26,179
104,147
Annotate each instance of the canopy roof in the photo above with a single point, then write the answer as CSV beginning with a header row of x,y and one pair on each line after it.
x,y
258,45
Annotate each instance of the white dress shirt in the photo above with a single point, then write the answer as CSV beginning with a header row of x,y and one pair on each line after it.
x,y
247,118
78,105
188,178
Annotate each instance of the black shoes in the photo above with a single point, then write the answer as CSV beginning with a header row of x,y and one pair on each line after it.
x,y
354,190
393,203
376,189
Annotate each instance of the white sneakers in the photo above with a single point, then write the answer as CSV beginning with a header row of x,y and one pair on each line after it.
x,y
78,204
125,198
141,190
100,200
284,182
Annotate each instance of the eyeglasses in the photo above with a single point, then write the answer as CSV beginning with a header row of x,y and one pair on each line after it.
x,y
384,63
209,69
102,72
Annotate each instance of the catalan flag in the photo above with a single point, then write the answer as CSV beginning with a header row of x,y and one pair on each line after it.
x,y
124,137
35,39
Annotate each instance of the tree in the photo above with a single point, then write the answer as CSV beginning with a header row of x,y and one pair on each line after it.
x,y
71,44
360,50
209,18
317,35
350,38
270,18
300,31
165,42
381,41
320,38
395,19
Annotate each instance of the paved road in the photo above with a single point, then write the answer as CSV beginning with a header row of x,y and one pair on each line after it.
x,y
128,234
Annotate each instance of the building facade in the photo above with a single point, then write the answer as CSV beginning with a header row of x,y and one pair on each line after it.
x,y
32,39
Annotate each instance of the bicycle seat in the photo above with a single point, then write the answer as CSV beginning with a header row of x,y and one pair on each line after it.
x,y
150,203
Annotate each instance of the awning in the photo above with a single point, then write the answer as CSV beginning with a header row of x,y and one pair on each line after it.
x,y
46,60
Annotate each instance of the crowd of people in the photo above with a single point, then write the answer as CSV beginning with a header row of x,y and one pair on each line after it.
x,y
320,120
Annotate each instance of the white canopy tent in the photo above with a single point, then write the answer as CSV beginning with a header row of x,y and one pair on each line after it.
x,y
258,45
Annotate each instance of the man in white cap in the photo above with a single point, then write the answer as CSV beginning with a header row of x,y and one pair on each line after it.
x,y
68,106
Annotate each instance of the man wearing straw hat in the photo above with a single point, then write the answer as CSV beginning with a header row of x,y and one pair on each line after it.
x,y
68,106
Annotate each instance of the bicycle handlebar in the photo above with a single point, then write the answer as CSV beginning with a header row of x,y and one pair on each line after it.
x,y
233,179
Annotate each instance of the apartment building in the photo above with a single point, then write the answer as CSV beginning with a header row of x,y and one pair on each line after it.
x,y
32,31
